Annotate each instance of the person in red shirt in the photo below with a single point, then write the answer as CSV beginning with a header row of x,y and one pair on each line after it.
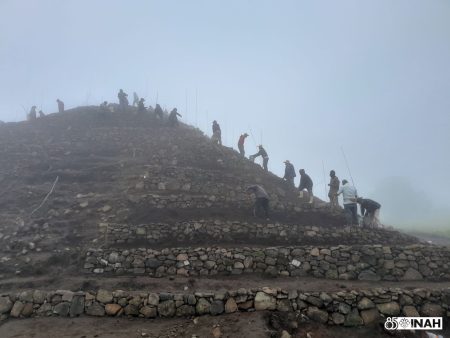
x,y
241,144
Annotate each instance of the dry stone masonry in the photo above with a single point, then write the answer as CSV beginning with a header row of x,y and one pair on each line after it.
x,y
364,262
347,308
232,231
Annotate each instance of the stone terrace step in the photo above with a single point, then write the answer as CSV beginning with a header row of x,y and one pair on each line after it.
x,y
363,262
349,308
215,230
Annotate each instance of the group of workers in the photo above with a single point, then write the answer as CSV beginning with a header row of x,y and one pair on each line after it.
x,y
32,114
369,208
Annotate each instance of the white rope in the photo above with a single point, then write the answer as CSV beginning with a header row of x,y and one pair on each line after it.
x,y
46,197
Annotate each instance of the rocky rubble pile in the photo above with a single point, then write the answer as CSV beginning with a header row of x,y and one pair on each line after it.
x,y
367,262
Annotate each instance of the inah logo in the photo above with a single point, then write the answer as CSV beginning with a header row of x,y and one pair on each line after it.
x,y
413,323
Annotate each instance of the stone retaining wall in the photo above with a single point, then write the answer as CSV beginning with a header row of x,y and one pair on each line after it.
x,y
231,231
354,308
367,262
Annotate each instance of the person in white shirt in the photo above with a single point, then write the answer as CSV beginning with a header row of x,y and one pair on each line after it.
x,y
349,195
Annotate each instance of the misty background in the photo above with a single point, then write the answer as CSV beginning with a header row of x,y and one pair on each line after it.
x,y
304,78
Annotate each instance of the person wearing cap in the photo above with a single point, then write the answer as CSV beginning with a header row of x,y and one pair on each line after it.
x,y
261,199
306,183
60,106
263,153
334,187
217,133
349,195
141,106
241,144
289,173
370,211
32,114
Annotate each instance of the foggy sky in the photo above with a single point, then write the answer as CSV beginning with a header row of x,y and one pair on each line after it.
x,y
303,77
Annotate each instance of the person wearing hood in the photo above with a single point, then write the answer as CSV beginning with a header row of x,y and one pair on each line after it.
x,y
289,173
32,114
123,100
159,112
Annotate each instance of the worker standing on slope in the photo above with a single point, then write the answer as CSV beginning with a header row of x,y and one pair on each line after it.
x,y
135,99
217,133
263,153
349,195
370,211
289,173
173,119
306,183
32,114
334,187
123,100
241,144
60,106
159,112
141,106
261,200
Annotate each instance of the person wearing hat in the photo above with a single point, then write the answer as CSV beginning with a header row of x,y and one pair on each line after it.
x,y
263,153
306,183
241,144
334,187
349,195
60,106
217,133
289,173
141,106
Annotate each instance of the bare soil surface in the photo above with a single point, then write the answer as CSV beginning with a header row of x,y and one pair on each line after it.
x,y
248,325
184,284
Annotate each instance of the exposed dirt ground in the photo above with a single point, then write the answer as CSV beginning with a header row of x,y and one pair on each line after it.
x,y
248,325
177,284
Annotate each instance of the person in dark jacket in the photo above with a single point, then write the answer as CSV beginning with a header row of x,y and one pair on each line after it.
x,y
289,173
262,152
261,199
241,144
306,183
370,210
217,133
173,119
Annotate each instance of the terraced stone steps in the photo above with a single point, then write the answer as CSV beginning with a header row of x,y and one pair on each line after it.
x,y
363,262
348,308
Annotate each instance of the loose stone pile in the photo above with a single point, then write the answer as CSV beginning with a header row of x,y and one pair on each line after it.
x,y
366,262
231,231
354,308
